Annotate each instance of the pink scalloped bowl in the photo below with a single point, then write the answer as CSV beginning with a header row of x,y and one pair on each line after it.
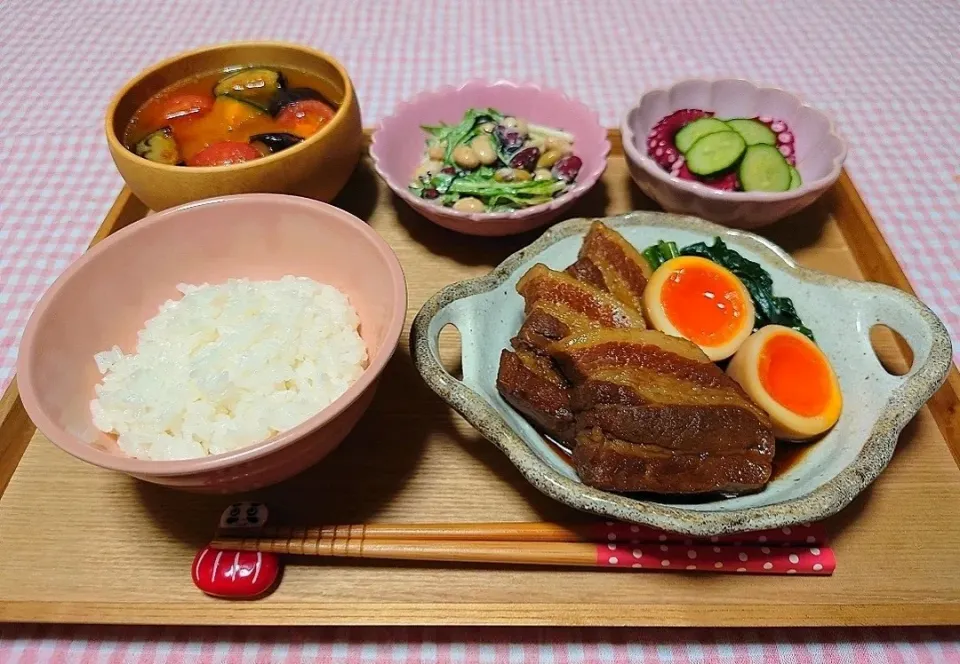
x,y
105,297
399,142
820,151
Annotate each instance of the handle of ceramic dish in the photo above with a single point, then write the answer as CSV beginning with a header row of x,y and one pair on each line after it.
x,y
903,313
452,314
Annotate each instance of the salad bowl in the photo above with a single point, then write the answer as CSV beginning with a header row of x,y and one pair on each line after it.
x,y
398,146
816,147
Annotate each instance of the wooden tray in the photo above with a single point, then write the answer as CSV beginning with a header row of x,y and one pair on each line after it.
x,y
79,544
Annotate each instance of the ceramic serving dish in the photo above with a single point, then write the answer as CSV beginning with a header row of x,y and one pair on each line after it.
x,y
487,311
819,151
105,297
399,142
318,167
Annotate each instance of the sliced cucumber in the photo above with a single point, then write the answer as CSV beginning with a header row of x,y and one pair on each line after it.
x,y
795,179
753,132
696,130
715,152
764,169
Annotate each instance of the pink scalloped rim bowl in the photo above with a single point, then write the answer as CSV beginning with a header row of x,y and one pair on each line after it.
x,y
399,143
820,152
104,298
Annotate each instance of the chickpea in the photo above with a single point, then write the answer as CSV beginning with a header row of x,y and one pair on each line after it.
x,y
520,175
488,127
465,157
469,204
522,126
548,158
542,174
557,143
483,146
503,175
437,151
510,121
428,167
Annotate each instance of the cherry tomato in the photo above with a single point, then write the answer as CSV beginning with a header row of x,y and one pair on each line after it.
x,y
304,118
185,106
224,154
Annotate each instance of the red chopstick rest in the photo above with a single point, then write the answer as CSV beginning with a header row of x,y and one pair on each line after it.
x,y
237,574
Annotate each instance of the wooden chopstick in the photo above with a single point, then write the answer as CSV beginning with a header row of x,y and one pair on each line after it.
x,y
534,532
543,553
578,554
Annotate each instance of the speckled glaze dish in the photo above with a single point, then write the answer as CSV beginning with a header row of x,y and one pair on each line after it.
x,y
487,311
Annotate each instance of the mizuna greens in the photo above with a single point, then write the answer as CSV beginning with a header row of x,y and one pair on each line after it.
x,y
490,162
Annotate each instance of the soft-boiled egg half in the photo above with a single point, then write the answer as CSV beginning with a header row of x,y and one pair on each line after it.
x,y
699,300
788,376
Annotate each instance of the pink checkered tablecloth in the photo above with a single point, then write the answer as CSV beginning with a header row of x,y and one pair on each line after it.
x,y
886,69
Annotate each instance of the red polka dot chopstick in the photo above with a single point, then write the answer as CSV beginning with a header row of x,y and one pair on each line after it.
x,y
800,550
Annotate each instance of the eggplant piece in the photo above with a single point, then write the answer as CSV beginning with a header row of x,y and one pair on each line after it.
x,y
159,146
276,141
287,96
256,86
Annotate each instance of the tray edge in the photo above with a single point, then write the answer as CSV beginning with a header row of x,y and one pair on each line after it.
x,y
855,223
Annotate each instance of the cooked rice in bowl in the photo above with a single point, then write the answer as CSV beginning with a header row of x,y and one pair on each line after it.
x,y
227,366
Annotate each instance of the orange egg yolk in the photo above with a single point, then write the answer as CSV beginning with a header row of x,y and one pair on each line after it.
x,y
795,375
705,305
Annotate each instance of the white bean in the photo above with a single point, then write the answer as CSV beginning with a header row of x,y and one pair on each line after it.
x,y
428,168
483,146
437,151
557,143
469,204
465,157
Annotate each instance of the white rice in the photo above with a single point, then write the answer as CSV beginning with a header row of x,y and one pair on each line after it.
x,y
227,366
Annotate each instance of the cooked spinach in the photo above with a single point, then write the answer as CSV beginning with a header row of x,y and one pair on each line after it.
x,y
660,253
770,309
